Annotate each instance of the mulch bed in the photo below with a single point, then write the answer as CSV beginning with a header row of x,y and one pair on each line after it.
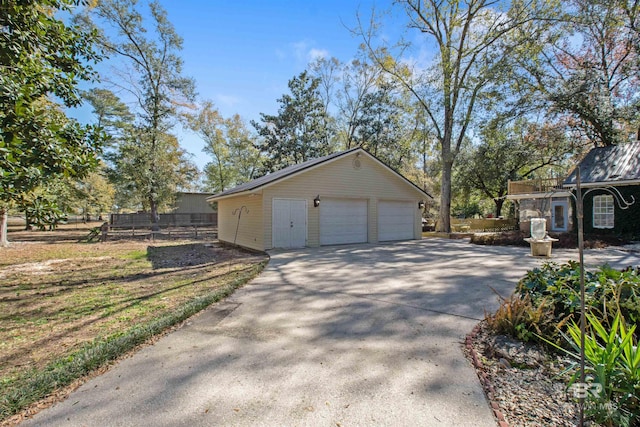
x,y
524,384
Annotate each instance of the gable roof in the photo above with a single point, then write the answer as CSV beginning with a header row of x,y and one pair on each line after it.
x,y
293,170
615,164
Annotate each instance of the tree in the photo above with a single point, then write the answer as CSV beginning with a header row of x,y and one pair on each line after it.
x,y
381,126
511,152
247,159
140,178
94,195
41,56
298,133
345,86
112,115
373,112
156,84
588,72
473,40
235,159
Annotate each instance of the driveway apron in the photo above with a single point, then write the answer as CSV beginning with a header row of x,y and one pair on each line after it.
x,y
336,336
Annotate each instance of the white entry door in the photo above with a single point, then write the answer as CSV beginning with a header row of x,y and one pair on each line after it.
x,y
289,223
396,220
559,215
343,221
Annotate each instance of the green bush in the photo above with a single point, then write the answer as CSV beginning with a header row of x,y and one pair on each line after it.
x,y
546,307
607,292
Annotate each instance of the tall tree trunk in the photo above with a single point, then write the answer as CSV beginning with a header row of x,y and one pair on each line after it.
x,y
444,224
4,242
155,218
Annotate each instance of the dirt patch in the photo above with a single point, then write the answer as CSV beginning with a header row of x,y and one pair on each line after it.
x,y
42,267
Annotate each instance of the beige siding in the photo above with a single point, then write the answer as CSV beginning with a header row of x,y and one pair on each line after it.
x,y
250,233
193,203
341,179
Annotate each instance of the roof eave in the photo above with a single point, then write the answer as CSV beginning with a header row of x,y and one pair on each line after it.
x,y
227,196
604,183
538,195
312,167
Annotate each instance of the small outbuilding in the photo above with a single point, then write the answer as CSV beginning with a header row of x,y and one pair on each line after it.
x,y
610,181
343,198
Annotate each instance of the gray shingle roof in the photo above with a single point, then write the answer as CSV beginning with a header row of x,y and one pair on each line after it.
x,y
293,169
615,163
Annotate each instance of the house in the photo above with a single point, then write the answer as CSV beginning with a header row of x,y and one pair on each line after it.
x,y
345,197
616,167
615,210
542,198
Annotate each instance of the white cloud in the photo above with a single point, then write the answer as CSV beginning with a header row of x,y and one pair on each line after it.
x,y
227,100
300,49
318,54
304,52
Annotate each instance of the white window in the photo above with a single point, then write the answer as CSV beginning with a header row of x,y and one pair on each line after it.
x,y
603,211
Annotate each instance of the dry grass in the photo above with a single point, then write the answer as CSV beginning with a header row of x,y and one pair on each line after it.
x,y
57,296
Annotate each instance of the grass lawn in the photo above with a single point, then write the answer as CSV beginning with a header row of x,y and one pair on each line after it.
x,y
60,299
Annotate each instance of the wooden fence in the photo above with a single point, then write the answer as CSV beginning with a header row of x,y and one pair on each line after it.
x,y
482,224
142,220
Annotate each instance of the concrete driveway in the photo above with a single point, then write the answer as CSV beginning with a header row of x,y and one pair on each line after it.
x,y
337,336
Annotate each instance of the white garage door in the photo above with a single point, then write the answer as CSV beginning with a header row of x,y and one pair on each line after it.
x,y
396,220
343,221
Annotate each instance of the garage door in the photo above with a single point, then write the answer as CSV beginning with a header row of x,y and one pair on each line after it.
x,y
343,221
396,220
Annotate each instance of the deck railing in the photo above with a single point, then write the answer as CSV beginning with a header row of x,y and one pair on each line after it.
x,y
530,186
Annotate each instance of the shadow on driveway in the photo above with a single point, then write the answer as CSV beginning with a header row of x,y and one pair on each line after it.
x,y
345,335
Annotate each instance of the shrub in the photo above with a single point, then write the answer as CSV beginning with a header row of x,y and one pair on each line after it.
x,y
607,292
546,307
518,317
612,362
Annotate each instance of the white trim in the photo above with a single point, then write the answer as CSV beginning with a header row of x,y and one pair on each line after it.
x,y
546,195
610,201
604,184
565,217
254,192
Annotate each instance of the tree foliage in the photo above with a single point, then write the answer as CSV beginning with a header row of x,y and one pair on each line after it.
x,y
141,178
372,111
112,115
473,40
230,144
587,71
40,57
149,156
299,132
511,152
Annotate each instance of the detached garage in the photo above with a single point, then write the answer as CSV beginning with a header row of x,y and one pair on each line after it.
x,y
344,198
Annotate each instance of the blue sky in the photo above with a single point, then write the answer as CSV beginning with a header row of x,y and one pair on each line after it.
x,y
242,53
